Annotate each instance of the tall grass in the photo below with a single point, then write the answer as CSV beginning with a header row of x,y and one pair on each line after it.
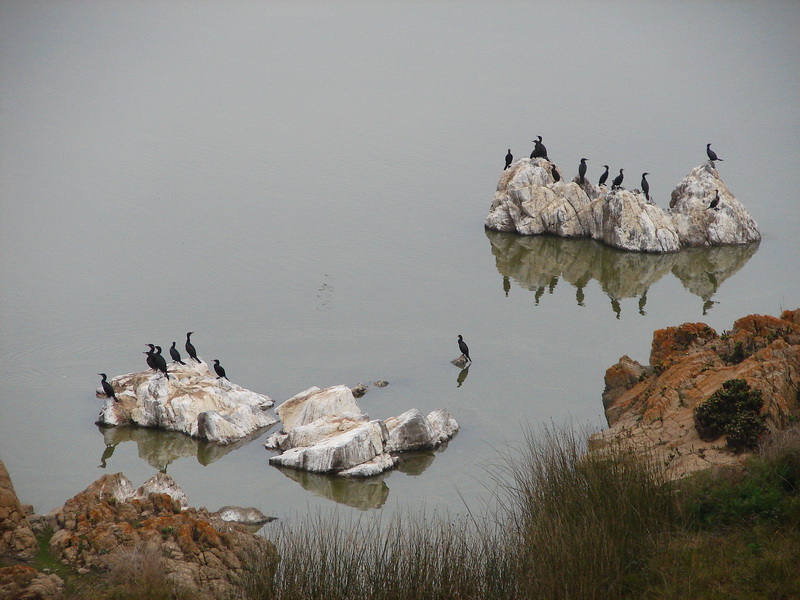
x,y
563,524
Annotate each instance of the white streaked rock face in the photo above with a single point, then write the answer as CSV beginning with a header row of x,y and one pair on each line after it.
x,y
697,224
347,443
529,202
192,401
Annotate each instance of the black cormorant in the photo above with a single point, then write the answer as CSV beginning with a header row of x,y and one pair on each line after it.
x,y
107,389
509,159
715,202
220,371
603,177
554,173
190,348
617,180
582,170
176,356
539,151
160,361
151,361
462,345
712,156
645,186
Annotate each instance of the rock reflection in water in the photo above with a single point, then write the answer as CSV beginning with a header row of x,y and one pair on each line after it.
x,y
537,262
363,494
160,448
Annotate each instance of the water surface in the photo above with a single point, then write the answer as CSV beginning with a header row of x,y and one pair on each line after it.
x,y
304,186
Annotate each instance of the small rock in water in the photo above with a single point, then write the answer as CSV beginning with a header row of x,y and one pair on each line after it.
x,y
460,362
359,390
381,383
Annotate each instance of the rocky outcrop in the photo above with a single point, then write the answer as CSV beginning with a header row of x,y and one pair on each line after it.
x,y
652,407
699,225
109,524
21,582
325,431
16,537
192,401
529,201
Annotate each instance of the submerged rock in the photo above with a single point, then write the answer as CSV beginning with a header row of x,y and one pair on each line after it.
x,y
193,401
652,407
324,431
529,202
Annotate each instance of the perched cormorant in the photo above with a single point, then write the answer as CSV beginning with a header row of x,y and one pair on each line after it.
x,y
151,361
604,176
554,173
712,156
176,356
582,170
539,151
220,371
646,186
715,202
509,158
160,361
462,345
107,389
617,180
190,348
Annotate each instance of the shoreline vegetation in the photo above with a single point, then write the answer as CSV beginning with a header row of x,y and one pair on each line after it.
x,y
561,523
566,524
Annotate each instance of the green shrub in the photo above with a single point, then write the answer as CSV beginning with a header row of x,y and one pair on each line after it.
x,y
734,411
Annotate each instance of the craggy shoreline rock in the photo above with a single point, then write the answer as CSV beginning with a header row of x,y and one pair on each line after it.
x,y
652,407
110,526
192,400
109,523
529,201
16,537
324,431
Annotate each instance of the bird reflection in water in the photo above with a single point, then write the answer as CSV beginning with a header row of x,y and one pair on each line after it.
x,y
462,376
536,263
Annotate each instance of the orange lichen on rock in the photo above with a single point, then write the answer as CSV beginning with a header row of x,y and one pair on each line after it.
x,y
652,407
97,529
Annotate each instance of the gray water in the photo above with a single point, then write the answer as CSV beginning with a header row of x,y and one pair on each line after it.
x,y
304,186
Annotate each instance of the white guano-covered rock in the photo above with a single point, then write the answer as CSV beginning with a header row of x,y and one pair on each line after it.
x,y
347,443
192,400
298,410
338,452
699,225
529,201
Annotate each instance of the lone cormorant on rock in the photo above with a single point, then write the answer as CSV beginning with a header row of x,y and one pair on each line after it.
x,y
107,389
190,348
539,151
715,202
712,156
220,371
509,159
176,356
603,177
582,170
646,186
554,173
617,180
462,345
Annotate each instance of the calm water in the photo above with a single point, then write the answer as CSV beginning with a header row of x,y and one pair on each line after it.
x,y
304,186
